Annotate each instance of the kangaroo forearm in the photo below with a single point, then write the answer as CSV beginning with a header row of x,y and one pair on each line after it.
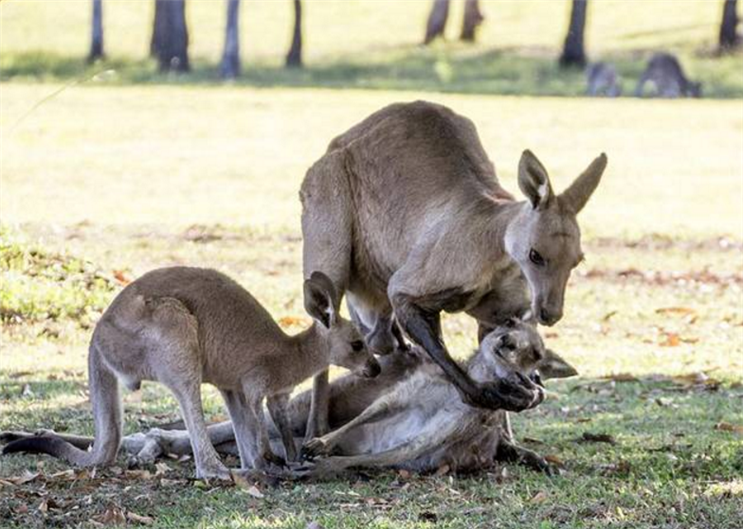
x,y
424,328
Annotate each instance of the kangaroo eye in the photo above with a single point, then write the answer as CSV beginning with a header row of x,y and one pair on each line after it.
x,y
357,346
535,257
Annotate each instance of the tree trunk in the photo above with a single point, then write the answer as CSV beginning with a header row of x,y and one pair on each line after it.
x,y
230,67
573,53
472,19
728,36
294,57
96,41
437,20
169,42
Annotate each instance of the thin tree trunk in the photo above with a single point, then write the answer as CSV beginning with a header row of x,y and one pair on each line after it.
x,y
169,42
96,41
728,35
437,20
472,19
230,67
573,53
294,57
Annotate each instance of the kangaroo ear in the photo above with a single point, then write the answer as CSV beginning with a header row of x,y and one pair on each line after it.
x,y
320,299
534,181
555,366
576,196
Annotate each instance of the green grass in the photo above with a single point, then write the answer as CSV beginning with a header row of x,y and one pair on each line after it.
x,y
117,175
363,44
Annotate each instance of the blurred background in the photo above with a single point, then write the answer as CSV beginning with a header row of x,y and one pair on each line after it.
x,y
147,133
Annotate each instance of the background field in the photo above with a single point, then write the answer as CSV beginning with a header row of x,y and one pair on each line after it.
x,y
116,176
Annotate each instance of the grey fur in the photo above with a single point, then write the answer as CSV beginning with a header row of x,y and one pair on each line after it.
x,y
664,71
405,213
187,326
602,80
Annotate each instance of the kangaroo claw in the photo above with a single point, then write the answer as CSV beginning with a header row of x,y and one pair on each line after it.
x,y
314,448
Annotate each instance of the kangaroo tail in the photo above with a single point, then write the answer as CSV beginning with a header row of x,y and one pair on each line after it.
x,y
104,395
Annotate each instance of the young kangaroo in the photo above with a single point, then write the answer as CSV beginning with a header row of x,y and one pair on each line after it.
x,y
603,80
187,326
420,424
665,72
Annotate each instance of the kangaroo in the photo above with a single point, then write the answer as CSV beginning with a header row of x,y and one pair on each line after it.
x,y
602,80
405,213
351,395
421,425
187,326
665,72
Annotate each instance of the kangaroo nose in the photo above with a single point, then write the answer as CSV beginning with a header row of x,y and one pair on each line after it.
x,y
548,317
372,369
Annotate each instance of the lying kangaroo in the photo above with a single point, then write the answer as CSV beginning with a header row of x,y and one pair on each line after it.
x,y
186,326
602,80
665,72
405,214
350,396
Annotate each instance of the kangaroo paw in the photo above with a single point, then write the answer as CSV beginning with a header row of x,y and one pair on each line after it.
x,y
315,447
218,472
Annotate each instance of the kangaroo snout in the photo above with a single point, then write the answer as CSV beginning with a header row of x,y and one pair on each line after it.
x,y
371,369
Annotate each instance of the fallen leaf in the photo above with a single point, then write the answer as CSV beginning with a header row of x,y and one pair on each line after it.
x,y
727,427
44,506
676,310
554,460
589,437
291,321
25,478
671,340
162,468
21,509
144,520
621,377
532,440
138,474
539,497
121,277
111,516
64,474
404,474
442,470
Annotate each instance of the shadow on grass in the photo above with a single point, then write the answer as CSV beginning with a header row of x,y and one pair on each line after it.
x,y
503,71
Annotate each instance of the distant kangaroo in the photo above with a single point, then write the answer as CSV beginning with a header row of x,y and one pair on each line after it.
x,y
404,213
665,72
479,437
603,80
187,326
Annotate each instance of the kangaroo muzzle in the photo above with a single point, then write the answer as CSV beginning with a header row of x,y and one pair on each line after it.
x,y
371,369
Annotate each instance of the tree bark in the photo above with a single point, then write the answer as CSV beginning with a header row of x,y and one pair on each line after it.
x,y
436,20
96,41
294,57
573,53
230,66
169,42
472,19
728,36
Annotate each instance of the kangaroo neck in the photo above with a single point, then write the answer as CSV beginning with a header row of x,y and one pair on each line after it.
x,y
313,349
502,216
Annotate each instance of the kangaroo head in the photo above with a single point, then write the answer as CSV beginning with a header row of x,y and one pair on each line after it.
x,y
346,346
544,238
515,349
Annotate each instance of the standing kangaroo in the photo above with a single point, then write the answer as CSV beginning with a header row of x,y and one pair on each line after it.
x,y
665,72
405,214
187,326
410,386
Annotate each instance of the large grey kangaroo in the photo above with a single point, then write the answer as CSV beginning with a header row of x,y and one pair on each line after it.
x,y
405,214
664,71
411,380
187,326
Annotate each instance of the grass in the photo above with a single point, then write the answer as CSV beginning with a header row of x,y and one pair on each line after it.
x,y
344,47
115,176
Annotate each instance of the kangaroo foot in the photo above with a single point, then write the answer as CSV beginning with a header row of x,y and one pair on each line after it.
x,y
213,471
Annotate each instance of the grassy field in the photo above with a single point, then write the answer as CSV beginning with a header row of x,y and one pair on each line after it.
x,y
367,44
115,176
